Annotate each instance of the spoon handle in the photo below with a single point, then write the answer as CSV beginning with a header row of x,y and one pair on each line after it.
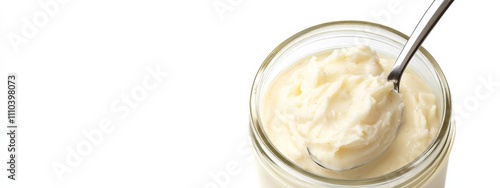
x,y
423,28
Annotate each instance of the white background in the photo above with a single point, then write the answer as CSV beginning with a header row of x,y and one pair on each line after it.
x,y
92,53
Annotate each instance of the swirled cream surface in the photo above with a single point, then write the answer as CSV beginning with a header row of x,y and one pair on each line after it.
x,y
341,106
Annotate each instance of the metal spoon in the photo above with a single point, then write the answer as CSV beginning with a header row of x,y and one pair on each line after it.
x,y
423,28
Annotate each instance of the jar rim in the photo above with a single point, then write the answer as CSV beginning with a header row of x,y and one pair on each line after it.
x,y
258,131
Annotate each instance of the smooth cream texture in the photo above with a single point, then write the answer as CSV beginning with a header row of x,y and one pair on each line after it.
x,y
342,108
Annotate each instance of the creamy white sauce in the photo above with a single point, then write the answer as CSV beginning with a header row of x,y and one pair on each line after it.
x,y
341,106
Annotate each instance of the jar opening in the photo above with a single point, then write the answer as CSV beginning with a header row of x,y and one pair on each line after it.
x,y
366,33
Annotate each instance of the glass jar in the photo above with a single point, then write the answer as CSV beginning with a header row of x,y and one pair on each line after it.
x,y
427,170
